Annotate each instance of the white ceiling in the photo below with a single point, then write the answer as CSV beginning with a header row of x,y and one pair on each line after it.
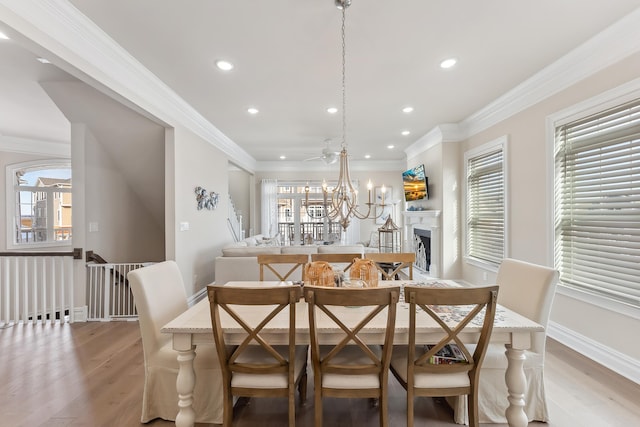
x,y
287,57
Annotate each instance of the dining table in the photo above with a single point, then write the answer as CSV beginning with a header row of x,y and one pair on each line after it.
x,y
193,328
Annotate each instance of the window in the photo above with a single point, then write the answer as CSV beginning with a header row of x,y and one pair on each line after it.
x,y
485,203
39,204
297,222
597,203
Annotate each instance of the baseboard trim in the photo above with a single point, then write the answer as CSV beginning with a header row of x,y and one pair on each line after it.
x,y
195,298
618,362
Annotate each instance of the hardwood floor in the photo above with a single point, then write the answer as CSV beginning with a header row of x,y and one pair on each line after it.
x,y
91,374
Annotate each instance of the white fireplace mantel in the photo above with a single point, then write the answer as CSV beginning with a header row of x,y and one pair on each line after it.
x,y
425,220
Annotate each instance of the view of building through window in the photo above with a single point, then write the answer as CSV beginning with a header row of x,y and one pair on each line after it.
x,y
299,223
43,205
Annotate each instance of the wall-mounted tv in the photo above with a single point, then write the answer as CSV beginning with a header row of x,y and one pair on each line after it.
x,y
415,184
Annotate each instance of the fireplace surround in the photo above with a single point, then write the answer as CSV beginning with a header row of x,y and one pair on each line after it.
x,y
428,223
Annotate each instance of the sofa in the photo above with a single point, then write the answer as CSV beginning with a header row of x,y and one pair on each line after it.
x,y
239,261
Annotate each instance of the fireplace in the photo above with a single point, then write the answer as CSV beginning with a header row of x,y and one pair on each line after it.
x,y
422,248
422,231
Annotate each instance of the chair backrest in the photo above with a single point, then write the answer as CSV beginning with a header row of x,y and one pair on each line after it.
x,y
297,261
344,261
225,298
452,309
389,264
528,289
326,300
160,296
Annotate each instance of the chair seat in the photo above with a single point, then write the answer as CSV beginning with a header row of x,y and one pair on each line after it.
x,y
399,360
351,355
256,354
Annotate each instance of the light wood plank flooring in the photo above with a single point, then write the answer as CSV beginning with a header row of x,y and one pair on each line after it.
x,y
91,374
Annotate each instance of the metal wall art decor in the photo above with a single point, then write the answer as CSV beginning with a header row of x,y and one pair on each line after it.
x,y
206,200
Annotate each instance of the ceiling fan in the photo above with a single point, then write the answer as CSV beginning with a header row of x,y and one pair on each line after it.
x,y
328,156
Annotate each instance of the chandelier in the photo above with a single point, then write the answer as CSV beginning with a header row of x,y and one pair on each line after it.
x,y
341,202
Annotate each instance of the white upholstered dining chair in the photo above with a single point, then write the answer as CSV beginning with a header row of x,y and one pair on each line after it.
x,y
527,289
160,296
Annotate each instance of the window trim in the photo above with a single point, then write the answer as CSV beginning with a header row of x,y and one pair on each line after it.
x,y
601,102
498,143
10,201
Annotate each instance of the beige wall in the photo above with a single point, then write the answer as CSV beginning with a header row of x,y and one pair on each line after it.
x,y
529,201
198,163
126,230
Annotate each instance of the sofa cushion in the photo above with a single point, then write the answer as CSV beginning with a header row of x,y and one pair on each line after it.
x,y
341,249
250,251
299,249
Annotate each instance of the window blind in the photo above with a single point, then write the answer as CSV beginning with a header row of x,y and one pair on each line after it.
x,y
485,207
597,199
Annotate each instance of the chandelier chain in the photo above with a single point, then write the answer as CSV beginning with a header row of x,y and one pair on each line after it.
x,y
344,91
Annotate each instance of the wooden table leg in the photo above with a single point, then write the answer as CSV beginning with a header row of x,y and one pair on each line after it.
x,y
516,385
186,381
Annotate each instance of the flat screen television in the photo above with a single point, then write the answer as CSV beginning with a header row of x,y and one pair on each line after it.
x,y
415,184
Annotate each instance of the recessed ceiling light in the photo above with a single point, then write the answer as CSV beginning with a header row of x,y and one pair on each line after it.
x,y
367,156
332,110
252,110
283,157
391,146
44,60
405,132
407,109
224,65
3,36
448,63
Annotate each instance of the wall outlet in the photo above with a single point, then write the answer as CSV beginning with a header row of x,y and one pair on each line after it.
x,y
184,226
485,276
94,227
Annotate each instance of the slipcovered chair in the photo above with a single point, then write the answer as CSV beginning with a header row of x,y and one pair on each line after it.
x,y
160,296
527,289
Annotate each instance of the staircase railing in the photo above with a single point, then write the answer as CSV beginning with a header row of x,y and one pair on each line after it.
x,y
37,287
235,222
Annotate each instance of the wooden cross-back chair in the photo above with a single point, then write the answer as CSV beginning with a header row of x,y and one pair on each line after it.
x,y
344,260
390,264
358,369
256,368
427,370
269,261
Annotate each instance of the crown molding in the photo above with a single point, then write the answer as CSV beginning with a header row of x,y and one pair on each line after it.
x,y
613,44
14,144
448,132
76,41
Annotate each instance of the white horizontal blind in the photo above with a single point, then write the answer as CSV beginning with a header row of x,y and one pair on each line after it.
x,y
485,206
597,170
